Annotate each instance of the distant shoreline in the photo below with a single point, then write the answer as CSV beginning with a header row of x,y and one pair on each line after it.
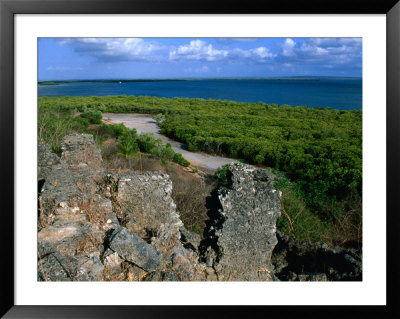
x,y
57,82
48,83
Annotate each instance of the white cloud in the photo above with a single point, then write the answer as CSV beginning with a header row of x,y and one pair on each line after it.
x,y
312,50
288,53
201,51
197,50
116,49
341,47
262,52
331,51
288,47
335,42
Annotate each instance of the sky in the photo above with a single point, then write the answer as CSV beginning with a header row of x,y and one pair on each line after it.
x,y
170,58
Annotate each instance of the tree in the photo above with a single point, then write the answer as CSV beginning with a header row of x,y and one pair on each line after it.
x,y
126,145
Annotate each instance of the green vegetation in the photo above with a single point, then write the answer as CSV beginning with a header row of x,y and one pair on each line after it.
x,y
57,120
127,145
320,150
48,83
221,175
93,117
296,219
159,118
300,221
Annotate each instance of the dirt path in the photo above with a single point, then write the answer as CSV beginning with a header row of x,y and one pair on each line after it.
x,y
144,123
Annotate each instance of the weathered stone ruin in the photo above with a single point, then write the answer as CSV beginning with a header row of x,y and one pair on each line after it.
x,y
98,226
241,236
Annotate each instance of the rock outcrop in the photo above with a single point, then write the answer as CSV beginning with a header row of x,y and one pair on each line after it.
x,y
93,225
299,260
46,159
72,214
241,236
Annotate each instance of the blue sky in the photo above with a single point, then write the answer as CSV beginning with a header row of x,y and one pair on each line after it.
x,y
149,58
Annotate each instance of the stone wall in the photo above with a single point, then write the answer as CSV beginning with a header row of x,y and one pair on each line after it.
x,y
95,226
241,236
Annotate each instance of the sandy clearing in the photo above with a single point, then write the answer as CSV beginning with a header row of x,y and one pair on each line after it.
x,y
144,123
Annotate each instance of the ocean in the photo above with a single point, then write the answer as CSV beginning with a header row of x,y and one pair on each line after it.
x,y
336,93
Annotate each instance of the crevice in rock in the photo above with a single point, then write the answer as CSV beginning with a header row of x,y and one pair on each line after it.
x,y
189,246
127,262
150,233
109,235
68,273
215,222
114,186
112,182
40,185
39,212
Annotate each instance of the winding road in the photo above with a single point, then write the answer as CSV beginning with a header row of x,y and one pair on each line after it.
x,y
144,123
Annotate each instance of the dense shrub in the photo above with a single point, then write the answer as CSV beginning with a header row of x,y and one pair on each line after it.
x,y
222,175
127,145
179,159
94,117
81,122
148,143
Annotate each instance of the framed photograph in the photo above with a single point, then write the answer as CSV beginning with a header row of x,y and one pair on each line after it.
x,y
231,156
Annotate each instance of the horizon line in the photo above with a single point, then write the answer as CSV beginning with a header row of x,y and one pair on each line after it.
x,y
209,78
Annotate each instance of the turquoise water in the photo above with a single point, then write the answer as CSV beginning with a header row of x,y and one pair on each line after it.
x,y
336,93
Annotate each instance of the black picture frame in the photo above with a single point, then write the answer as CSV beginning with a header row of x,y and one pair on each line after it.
x,y
8,8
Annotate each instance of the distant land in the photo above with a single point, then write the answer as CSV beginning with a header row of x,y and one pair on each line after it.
x,y
293,78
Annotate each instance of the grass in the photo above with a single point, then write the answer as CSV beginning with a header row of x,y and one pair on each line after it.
x,y
297,220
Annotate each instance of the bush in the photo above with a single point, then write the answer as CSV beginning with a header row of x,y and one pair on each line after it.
x,y
259,159
221,174
296,218
159,118
126,145
81,122
179,159
117,129
148,143
167,153
94,117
